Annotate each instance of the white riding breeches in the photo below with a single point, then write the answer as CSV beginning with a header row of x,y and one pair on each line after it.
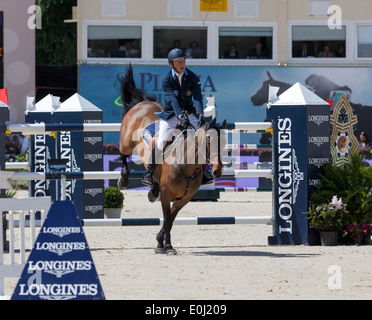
x,y
167,127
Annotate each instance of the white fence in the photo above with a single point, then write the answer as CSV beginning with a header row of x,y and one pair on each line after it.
x,y
12,259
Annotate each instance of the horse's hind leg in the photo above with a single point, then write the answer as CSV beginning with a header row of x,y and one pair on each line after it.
x,y
123,181
163,237
160,240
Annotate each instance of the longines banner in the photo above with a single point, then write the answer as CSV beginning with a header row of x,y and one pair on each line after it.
x,y
60,266
241,92
301,146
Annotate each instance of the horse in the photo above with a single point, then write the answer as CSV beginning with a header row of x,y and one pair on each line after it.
x,y
180,175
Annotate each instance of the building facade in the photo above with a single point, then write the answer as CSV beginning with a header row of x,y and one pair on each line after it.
x,y
17,54
238,47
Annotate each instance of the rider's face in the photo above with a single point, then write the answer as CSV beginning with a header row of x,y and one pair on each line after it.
x,y
179,65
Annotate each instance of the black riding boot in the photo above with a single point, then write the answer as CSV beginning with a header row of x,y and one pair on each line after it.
x,y
148,179
207,177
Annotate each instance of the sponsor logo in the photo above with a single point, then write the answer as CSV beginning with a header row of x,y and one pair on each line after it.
x,y
94,191
318,119
61,231
92,121
58,291
318,141
289,175
69,154
93,140
314,182
59,248
318,162
40,164
93,157
59,268
93,209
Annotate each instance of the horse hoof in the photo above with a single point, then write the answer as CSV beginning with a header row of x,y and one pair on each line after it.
x,y
152,197
159,250
123,184
170,251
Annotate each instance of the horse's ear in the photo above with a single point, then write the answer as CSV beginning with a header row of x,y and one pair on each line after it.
x,y
212,124
223,125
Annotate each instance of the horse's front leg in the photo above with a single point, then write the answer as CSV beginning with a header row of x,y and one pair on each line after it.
x,y
164,236
123,181
160,239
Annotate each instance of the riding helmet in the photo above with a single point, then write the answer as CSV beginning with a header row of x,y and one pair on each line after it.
x,y
176,54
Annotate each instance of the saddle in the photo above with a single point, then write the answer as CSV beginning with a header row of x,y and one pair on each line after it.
x,y
150,133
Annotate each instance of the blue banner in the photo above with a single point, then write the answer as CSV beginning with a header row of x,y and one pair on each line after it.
x,y
241,93
60,266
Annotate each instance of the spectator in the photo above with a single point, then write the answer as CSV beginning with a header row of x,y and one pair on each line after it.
x,y
304,51
341,51
258,52
364,141
161,52
12,144
326,53
232,54
194,51
176,45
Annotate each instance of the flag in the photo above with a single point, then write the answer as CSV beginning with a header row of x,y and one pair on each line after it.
x,y
4,95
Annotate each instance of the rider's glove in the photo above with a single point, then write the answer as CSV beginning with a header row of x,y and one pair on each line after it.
x,y
184,121
201,121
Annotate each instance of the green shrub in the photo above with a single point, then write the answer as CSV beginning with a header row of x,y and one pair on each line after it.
x,y
113,198
352,182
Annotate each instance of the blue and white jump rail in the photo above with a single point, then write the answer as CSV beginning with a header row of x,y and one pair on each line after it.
x,y
136,222
48,128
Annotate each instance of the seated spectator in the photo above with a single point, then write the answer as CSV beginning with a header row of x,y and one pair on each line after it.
x,y
326,53
232,54
364,140
304,52
12,144
258,52
123,51
341,51
194,51
160,52
176,45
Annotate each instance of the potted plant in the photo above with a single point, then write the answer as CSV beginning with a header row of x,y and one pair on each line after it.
x,y
359,233
352,182
113,202
329,219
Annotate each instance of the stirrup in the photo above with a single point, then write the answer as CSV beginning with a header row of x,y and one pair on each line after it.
x,y
207,178
147,179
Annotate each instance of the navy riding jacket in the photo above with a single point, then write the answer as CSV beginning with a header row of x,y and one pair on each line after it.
x,y
177,98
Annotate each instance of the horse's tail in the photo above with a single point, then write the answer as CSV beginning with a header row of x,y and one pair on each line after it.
x,y
130,94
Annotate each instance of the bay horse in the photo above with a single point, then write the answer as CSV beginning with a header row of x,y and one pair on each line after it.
x,y
177,177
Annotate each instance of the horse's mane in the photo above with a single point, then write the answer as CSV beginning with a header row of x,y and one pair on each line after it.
x,y
130,94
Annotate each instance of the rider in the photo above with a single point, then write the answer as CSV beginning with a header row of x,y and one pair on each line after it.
x,y
183,105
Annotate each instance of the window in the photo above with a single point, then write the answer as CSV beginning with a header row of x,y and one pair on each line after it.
x,y
319,7
246,8
193,40
180,8
114,41
114,8
318,42
245,42
364,49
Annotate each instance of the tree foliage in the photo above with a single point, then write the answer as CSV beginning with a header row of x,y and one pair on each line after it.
x,y
56,41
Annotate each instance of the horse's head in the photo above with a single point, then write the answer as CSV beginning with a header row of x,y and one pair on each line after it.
x,y
261,96
215,142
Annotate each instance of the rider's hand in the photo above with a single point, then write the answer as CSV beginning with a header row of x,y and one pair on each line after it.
x,y
184,121
201,121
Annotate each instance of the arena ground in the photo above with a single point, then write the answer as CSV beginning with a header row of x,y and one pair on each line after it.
x,y
221,262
